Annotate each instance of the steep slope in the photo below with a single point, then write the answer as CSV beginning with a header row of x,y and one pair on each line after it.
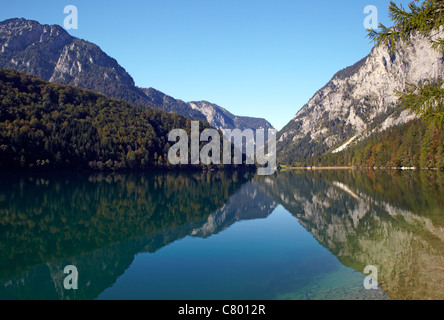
x,y
57,126
50,53
215,115
222,119
415,144
169,104
359,100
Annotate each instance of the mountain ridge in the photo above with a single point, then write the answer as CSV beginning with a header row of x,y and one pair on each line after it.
x,y
52,54
359,100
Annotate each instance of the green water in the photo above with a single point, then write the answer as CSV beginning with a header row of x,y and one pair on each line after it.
x,y
294,235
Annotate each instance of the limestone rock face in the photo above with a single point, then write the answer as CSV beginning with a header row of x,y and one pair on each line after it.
x,y
360,99
51,54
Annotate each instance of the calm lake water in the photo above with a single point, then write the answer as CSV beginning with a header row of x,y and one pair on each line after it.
x,y
294,235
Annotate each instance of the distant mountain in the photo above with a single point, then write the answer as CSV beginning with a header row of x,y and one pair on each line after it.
x,y
221,118
359,100
169,104
50,125
51,54
215,115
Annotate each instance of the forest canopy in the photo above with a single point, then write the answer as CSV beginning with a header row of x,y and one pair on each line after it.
x,y
45,125
416,144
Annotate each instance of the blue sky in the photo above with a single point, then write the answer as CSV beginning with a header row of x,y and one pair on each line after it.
x,y
256,58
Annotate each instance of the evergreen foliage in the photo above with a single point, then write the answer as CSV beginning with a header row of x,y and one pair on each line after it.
x,y
45,125
414,144
426,18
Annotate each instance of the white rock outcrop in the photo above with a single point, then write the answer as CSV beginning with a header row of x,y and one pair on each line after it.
x,y
361,99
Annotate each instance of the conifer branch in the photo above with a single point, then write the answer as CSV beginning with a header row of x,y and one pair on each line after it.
x,y
425,100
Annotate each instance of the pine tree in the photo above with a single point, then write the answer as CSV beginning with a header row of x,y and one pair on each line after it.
x,y
427,18
426,160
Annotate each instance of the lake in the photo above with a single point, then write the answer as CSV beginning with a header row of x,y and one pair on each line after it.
x,y
297,235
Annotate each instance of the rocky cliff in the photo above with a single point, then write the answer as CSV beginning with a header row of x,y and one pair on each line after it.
x,y
359,100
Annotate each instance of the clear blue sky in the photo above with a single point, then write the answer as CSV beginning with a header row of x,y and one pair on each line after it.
x,y
261,58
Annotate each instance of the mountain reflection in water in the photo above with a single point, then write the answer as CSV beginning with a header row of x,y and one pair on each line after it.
x,y
100,223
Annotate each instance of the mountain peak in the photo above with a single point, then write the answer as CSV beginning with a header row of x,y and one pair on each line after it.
x,y
19,21
16,27
359,100
51,54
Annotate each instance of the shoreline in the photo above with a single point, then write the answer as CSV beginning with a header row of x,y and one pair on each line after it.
x,y
314,168
319,168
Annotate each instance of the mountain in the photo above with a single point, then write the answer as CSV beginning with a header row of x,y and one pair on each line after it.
x,y
359,100
46,125
215,115
415,144
51,54
222,119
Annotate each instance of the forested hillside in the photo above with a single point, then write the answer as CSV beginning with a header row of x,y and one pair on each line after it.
x,y
56,126
363,98
50,53
414,144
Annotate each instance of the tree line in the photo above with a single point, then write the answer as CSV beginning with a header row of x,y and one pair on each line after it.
x,y
414,144
45,125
